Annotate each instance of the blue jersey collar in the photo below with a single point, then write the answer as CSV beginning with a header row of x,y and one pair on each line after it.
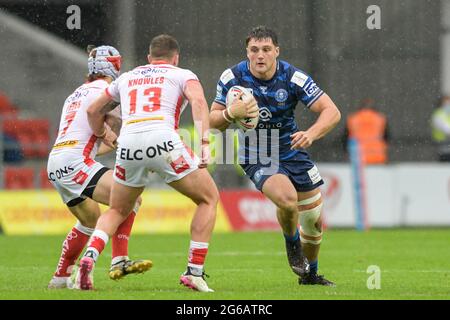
x,y
261,80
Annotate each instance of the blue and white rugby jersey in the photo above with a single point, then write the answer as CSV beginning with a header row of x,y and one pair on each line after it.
x,y
277,99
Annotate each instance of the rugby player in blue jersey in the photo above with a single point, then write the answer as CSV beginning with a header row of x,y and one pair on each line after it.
x,y
290,179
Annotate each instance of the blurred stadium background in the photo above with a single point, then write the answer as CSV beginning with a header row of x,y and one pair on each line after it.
x,y
404,67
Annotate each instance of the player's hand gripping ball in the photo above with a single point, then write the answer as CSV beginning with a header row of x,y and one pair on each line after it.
x,y
246,113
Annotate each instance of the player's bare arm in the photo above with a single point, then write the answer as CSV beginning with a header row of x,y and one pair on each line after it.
x,y
114,121
221,117
329,117
104,149
96,116
196,97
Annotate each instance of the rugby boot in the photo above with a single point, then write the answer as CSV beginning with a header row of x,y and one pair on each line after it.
x,y
84,279
124,267
297,261
315,279
60,283
193,282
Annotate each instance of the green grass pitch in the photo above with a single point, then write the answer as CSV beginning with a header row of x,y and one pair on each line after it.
x,y
414,264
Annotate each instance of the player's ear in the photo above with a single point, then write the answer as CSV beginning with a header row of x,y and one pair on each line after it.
x,y
277,51
149,58
176,60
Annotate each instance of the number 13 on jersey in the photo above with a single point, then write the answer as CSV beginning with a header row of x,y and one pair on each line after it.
x,y
152,95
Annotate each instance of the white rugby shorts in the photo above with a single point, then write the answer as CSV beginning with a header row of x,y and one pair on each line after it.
x,y
70,175
160,151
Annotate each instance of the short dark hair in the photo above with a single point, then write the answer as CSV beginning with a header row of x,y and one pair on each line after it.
x,y
262,32
93,77
163,46
90,47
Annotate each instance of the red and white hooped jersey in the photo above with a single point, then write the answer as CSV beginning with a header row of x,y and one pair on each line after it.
x,y
151,97
75,136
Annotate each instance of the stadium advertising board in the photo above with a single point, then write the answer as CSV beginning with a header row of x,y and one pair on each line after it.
x,y
249,210
42,212
396,195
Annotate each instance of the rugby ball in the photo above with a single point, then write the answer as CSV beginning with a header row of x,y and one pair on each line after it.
x,y
246,123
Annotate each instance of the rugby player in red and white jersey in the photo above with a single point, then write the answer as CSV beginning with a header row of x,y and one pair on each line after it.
x,y
83,182
152,98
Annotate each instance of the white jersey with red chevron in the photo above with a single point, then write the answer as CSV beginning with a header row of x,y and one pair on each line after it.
x,y
75,135
151,96
71,165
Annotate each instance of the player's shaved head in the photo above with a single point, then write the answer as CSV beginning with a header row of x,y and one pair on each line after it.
x,y
163,46
262,32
